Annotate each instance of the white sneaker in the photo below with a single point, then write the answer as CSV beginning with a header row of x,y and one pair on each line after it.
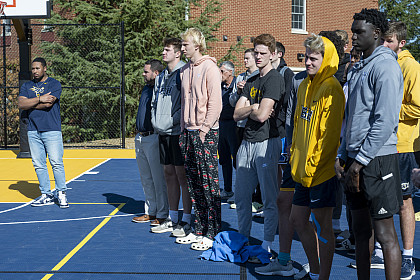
x,y
62,199
275,268
303,272
166,226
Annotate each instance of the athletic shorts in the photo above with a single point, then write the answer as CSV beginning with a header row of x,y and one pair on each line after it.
x,y
288,185
170,152
380,187
407,162
284,158
319,196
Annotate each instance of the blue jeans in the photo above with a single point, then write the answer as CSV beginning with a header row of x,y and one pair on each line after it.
x,y
51,143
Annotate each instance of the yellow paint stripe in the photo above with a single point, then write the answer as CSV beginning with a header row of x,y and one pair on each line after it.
x,y
82,243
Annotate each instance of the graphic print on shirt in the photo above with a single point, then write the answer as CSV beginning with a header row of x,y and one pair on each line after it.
x,y
306,113
38,91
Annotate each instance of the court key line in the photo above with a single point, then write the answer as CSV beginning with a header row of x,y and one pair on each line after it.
x,y
66,220
71,180
82,243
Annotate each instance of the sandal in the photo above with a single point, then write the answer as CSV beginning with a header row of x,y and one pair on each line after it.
x,y
190,238
203,245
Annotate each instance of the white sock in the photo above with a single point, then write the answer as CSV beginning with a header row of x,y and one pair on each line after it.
x,y
378,250
186,218
336,224
266,245
408,253
314,276
174,216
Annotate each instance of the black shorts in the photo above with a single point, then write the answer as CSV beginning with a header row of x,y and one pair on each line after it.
x,y
407,162
170,152
288,185
319,196
380,187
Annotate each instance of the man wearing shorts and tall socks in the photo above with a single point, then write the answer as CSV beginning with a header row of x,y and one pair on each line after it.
x,y
282,265
166,115
316,135
408,140
369,148
228,142
147,151
201,104
260,103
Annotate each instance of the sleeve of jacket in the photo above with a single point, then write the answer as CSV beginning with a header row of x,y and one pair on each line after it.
x,y
234,95
388,91
410,108
181,117
214,97
154,100
176,116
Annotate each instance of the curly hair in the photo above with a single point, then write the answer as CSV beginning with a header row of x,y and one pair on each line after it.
x,y
375,17
336,40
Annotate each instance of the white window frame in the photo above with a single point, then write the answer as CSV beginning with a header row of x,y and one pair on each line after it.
x,y
303,29
8,27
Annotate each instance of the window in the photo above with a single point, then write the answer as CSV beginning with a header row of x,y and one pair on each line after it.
x,y
8,24
299,16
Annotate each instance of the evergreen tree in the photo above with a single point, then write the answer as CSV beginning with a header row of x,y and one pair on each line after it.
x,y
406,11
94,60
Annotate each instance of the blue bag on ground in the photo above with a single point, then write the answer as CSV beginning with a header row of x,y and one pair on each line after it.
x,y
231,246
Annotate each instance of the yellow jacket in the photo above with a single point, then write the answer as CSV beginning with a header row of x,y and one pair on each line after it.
x,y
317,123
408,127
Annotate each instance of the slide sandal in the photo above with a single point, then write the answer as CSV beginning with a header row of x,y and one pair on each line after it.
x,y
190,238
203,245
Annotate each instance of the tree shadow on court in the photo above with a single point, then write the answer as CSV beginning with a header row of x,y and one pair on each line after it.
x,y
131,206
30,190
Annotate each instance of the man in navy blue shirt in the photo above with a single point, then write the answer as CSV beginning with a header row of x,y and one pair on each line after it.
x,y
40,97
147,153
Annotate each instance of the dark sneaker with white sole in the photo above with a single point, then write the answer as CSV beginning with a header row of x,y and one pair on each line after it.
x,y
43,200
408,269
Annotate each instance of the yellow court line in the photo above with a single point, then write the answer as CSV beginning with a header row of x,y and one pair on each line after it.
x,y
82,243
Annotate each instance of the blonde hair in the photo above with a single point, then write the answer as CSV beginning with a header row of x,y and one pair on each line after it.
x,y
315,44
196,37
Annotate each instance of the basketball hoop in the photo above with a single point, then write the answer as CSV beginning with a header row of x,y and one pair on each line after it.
x,y
2,6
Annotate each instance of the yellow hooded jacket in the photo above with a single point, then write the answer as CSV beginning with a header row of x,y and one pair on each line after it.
x,y
317,123
408,127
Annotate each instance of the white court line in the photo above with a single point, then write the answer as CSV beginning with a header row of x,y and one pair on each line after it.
x,y
28,203
66,220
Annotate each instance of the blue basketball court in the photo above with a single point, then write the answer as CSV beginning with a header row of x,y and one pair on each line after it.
x,y
95,239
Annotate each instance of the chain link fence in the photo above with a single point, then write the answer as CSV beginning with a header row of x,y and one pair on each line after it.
x,y
88,61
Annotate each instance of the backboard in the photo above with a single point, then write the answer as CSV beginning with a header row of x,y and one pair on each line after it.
x,y
26,9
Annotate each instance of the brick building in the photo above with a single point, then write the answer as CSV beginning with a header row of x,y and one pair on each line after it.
x,y
251,18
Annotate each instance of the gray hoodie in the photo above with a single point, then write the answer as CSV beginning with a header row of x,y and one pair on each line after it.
x,y
375,95
166,102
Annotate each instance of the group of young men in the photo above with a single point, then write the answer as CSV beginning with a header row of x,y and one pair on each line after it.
x,y
189,111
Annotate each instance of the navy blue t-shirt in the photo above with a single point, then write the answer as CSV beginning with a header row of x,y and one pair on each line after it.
x,y
43,119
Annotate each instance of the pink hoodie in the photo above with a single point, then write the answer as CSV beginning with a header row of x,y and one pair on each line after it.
x,y
201,94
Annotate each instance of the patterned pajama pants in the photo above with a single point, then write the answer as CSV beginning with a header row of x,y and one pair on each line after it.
x,y
201,167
